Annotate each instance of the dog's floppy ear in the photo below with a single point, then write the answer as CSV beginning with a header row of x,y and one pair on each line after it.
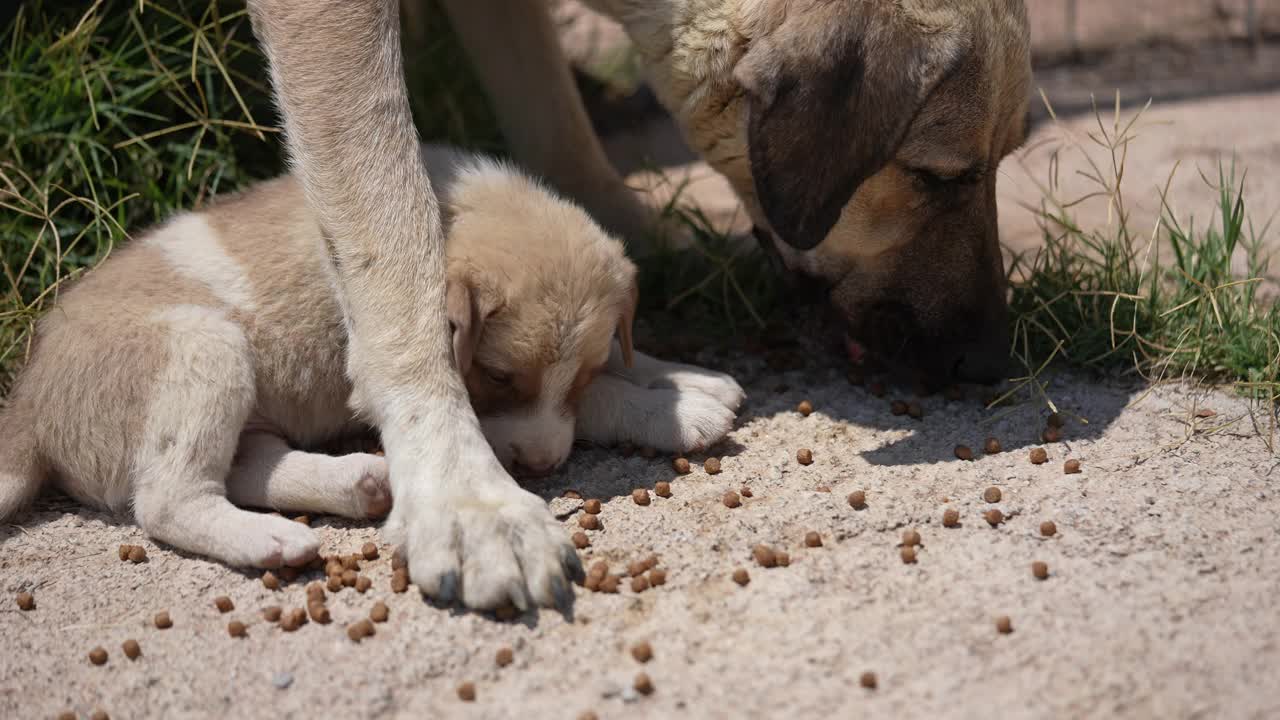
x,y
831,92
626,320
468,303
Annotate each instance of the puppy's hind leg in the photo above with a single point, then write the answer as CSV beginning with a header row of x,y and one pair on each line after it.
x,y
269,473
201,400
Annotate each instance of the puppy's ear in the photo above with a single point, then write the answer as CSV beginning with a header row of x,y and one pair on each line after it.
x,y
831,92
468,303
626,319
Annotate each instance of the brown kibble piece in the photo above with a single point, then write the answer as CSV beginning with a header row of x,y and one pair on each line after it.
x,y
1040,570
804,456
1039,456
681,466
1051,435
589,522
303,520
908,554
741,577
581,541
504,657
609,584
163,621
963,452
914,410
26,601
400,581
236,629
379,612
369,551
994,517
224,604
350,562
137,554
270,581
731,499
71,715
640,496
877,389
897,407
662,489
1048,528
124,552
334,583
764,556
910,538
711,465
318,612
591,507
643,684
315,591
636,567
812,539
1071,467
99,715
131,649
657,576
271,613
1004,625
805,408
467,692
950,517
642,652
98,656
858,499
639,584
1056,421
349,578
868,680
363,583
991,446
992,494
399,561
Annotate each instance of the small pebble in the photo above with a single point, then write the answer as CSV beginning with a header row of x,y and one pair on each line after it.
x,y
26,601
741,577
681,466
868,680
804,456
137,554
910,538
467,692
858,499
950,517
163,621
963,452
1040,570
991,446
908,553
643,684
236,629
764,556
132,649
657,576
1071,467
270,581
369,551
812,539
271,613
581,541
224,604
98,656
711,466
992,494
504,657
379,612
1048,528
282,680
642,652
994,517
805,408
662,489
731,499
640,496
1004,625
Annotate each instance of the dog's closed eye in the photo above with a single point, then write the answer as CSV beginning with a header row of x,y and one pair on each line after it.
x,y
939,179
497,377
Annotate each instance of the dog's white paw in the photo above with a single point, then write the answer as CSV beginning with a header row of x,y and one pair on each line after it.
x,y
698,422
373,490
267,541
690,378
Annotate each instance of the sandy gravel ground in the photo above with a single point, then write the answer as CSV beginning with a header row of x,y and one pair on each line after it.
x,y
1163,589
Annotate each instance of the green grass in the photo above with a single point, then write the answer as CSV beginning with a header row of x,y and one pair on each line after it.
x,y
115,114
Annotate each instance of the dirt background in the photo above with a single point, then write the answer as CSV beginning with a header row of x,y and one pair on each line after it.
x,y
1163,575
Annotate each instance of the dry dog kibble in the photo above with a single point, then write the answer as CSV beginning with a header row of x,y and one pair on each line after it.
x,y
1056,421
363,583
315,591
137,554
640,496
681,466
591,507
369,551
991,446
584,715
303,520
1071,467
99,715
71,715
963,452
271,613
731,499
805,408
609,584
910,538
764,555
858,499
98,656
639,584
399,561
589,522
950,517
350,562
711,465
318,612
642,652
662,489
804,456
1040,570
636,567
131,649
745,491
1051,435
1048,528
163,621
741,577
379,612
504,657
236,629
124,552
994,517
270,581
897,407
224,604
1004,625
1039,456
992,494
868,680
333,583
908,554
643,684
812,539
400,581
467,692
26,601
349,578
581,541
915,411
657,576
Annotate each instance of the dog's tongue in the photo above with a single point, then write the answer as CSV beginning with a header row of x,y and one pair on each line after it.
x,y
857,353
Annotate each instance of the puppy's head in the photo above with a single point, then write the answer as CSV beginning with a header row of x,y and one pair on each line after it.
x,y
864,139
536,294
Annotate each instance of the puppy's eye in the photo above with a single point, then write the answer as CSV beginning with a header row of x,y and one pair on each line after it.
x,y
497,377
934,180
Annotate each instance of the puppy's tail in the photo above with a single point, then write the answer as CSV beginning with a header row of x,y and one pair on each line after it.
x,y
21,469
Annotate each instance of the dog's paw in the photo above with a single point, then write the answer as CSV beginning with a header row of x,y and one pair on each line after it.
x,y
265,541
697,422
373,489
690,378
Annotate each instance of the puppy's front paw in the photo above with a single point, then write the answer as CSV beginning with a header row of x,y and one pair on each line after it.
x,y
699,421
690,378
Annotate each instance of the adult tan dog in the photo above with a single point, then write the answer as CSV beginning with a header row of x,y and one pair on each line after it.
x,y
862,135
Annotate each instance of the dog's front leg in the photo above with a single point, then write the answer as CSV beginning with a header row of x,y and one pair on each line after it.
x,y
470,532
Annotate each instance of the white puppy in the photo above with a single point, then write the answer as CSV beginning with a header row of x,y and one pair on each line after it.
x,y
195,370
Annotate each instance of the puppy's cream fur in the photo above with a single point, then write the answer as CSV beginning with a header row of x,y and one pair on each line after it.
x,y
195,369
